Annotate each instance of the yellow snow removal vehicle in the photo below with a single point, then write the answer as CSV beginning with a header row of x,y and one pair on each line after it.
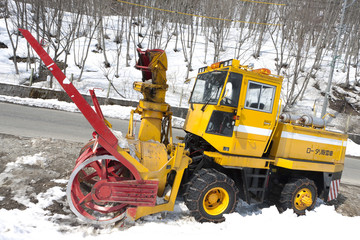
x,y
237,145
240,145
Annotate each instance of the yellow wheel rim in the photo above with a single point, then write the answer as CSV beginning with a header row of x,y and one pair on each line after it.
x,y
303,199
216,201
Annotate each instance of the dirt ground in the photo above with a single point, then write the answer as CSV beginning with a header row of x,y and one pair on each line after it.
x,y
20,183
26,181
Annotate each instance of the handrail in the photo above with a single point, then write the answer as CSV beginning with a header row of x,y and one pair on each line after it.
x,y
276,124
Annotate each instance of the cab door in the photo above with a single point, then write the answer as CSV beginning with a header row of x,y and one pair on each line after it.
x,y
256,117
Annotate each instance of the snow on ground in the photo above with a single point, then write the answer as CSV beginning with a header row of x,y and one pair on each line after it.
x,y
323,223
250,221
39,219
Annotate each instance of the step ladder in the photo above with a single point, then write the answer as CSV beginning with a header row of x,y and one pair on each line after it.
x,y
255,182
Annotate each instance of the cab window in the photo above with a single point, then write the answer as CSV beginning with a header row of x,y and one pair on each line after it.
x,y
208,87
232,90
221,123
260,96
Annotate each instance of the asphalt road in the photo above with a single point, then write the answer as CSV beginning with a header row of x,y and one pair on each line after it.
x,y
20,120
351,173
27,121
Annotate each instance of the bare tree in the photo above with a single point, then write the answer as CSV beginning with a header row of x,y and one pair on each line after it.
x,y
119,42
84,50
264,15
15,12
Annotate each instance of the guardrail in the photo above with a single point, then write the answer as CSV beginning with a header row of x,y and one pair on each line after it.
x,y
43,93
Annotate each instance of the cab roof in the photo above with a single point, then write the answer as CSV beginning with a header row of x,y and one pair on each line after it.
x,y
234,64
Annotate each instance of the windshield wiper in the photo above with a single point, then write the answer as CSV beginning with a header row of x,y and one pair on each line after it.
x,y
208,101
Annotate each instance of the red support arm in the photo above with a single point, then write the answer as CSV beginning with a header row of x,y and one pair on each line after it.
x,y
96,104
96,122
106,138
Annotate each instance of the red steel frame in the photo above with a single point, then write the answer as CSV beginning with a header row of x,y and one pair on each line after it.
x,y
105,137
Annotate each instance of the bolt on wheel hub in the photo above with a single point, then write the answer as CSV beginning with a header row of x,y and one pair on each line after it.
x,y
303,199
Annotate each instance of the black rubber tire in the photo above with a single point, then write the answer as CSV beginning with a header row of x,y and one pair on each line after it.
x,y
199,185
288,195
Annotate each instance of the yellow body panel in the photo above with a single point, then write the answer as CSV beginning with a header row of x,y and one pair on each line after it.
x,y
151,120
297,142
179,162
252,127
153,156
239,161
308,165
304,148
197,122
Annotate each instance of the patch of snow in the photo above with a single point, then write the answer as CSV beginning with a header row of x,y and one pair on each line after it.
x,y
20,194
43,103
60,181
30,223
28,160
36,159
352,149
47,198
122,141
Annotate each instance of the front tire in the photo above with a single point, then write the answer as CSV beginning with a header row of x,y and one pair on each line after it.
x,y
209,195
299,195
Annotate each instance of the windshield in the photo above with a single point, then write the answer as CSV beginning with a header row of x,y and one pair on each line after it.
x,y
208,87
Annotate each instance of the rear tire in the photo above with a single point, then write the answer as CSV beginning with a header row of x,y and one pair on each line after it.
x,y
209,195
299,195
